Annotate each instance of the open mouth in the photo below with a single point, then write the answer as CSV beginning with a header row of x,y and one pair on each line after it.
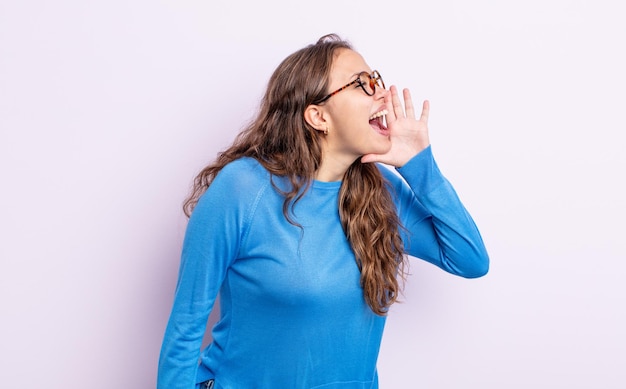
x,y
377,122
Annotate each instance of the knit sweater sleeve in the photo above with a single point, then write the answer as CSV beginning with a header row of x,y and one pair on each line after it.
x,y
212,239
438,228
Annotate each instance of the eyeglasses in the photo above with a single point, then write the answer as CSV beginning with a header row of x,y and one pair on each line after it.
x,y
365,80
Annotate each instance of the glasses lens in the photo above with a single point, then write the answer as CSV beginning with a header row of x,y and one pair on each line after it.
x,y
378,79
369,82
366,82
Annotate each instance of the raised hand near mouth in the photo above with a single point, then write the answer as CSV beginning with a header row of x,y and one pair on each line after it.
x,y
408,135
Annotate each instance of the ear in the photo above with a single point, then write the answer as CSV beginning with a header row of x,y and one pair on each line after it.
x,y
315,115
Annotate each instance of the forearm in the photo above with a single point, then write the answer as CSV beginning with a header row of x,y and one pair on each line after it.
x,y
448,237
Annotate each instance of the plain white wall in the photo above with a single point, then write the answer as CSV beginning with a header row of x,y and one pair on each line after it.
x,y
108,110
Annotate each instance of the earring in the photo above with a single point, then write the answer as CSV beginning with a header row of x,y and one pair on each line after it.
x,y
326,131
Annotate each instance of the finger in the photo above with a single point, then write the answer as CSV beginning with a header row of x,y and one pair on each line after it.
x,y
425,111
408,104
395,101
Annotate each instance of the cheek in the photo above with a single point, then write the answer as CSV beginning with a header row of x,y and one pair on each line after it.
x,y
351,116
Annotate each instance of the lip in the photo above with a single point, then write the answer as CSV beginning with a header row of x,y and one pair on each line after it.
x,y
381,109
377,122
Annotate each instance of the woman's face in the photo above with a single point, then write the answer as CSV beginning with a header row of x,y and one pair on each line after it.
x,y
353,130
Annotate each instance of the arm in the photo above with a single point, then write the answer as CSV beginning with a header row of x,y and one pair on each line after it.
x,y
211,243
439,228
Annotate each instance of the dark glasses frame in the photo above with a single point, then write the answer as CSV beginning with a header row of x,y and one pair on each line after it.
x,y
374,79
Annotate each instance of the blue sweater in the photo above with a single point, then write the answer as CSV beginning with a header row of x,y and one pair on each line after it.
x,y
292,310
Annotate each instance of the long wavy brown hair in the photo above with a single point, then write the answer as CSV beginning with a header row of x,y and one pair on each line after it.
x,y
286,145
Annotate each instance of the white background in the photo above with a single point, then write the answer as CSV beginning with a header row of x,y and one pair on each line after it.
x,y
109,108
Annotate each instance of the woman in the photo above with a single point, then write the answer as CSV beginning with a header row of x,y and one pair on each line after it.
x,y
305,237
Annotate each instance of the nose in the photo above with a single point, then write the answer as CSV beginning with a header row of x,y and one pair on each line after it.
x,y
380,93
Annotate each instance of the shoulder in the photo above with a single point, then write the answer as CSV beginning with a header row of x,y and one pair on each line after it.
x,y
242,174
245,166
226,208
239,182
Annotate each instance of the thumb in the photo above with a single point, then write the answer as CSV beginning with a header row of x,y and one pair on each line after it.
x,y
369,158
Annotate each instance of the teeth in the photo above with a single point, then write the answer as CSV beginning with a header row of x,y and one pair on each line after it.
x,y
379,114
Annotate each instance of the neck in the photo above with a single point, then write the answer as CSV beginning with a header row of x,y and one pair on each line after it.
x,y
332,168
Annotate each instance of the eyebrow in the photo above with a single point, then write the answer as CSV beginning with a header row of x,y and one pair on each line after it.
x,y
358,74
